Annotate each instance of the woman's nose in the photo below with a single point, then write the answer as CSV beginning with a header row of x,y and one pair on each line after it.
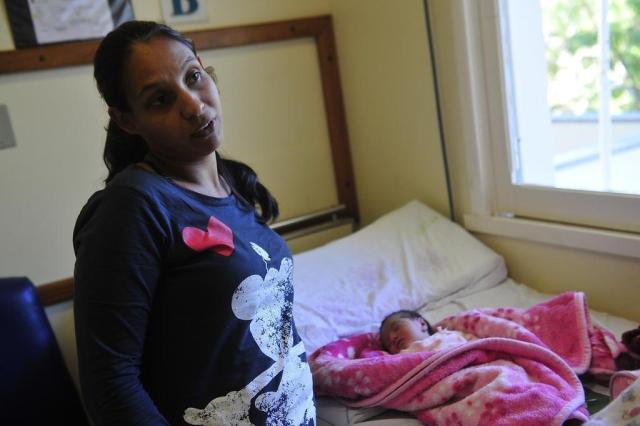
x,y
191,106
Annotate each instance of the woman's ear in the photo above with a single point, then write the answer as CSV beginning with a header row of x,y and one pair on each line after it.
x,y
123,120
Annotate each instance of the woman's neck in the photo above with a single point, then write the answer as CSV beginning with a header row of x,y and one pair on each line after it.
x,y
201,176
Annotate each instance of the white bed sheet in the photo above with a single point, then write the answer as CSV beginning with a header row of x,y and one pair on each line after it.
x,y
330,412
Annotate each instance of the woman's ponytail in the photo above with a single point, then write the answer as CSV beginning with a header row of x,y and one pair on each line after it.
x,y
121,149
245,185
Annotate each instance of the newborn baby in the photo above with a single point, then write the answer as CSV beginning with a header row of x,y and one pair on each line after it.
x,y
407,331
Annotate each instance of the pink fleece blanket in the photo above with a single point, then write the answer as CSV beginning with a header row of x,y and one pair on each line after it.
x,y
521,369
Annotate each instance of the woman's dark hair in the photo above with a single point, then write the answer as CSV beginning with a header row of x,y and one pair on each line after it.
x,y
123,149
404,313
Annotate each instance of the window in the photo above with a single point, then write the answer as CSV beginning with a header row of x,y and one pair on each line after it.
x,y
564,121
496,97
576,77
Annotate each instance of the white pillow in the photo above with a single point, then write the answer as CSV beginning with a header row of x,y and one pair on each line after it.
x,y
411,258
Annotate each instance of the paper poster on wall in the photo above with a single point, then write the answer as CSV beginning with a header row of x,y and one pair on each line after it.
x,y
184,11
36,22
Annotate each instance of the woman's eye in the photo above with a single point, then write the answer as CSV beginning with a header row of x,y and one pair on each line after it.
x,y
194,77
158,100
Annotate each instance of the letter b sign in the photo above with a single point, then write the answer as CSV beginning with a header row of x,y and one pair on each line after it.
x,y
179,11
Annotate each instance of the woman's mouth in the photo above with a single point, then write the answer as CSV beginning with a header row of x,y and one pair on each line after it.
x,y
204,131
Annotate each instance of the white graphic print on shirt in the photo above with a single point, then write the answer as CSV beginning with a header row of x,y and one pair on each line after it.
x,y
264,302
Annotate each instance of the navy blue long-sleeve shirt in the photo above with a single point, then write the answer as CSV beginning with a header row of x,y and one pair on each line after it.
x,y
183,310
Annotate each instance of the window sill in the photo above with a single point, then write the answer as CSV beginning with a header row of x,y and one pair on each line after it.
x,y
583,238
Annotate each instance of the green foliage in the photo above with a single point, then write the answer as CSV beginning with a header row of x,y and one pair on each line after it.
x,y
571,36
579,40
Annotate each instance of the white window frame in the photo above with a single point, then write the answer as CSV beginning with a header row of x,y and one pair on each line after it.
x,y
601,222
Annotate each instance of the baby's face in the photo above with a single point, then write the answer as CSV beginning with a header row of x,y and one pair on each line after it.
x,y
398,333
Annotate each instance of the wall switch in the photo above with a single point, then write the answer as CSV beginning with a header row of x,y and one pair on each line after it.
x,y
7,138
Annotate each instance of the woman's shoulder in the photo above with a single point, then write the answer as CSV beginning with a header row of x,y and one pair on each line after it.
x,y
132,193
139,179
132,187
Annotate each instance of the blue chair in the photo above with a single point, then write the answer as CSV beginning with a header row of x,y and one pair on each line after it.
x,y
35,386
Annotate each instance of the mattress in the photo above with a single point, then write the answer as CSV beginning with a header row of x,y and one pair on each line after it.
x,y
506,294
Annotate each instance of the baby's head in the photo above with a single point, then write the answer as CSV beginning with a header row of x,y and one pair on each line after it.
x,y
401,328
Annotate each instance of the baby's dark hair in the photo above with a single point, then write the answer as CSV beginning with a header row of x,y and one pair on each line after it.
x,y
403,313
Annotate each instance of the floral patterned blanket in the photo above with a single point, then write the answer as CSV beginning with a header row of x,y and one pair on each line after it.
x,y
521,368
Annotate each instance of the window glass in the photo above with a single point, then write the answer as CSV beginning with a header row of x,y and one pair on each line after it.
x,y
586,136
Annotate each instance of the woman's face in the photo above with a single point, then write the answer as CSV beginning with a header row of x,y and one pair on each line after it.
x,y
398,333
174,104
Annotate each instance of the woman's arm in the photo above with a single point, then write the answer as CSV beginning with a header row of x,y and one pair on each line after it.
x,y
118,244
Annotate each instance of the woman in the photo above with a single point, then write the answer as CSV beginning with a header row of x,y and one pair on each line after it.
x,y
183,294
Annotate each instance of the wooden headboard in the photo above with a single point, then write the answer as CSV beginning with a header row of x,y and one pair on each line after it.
x,y
319,29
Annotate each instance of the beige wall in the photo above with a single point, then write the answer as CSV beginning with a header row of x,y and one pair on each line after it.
x,y
390,102
610,282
